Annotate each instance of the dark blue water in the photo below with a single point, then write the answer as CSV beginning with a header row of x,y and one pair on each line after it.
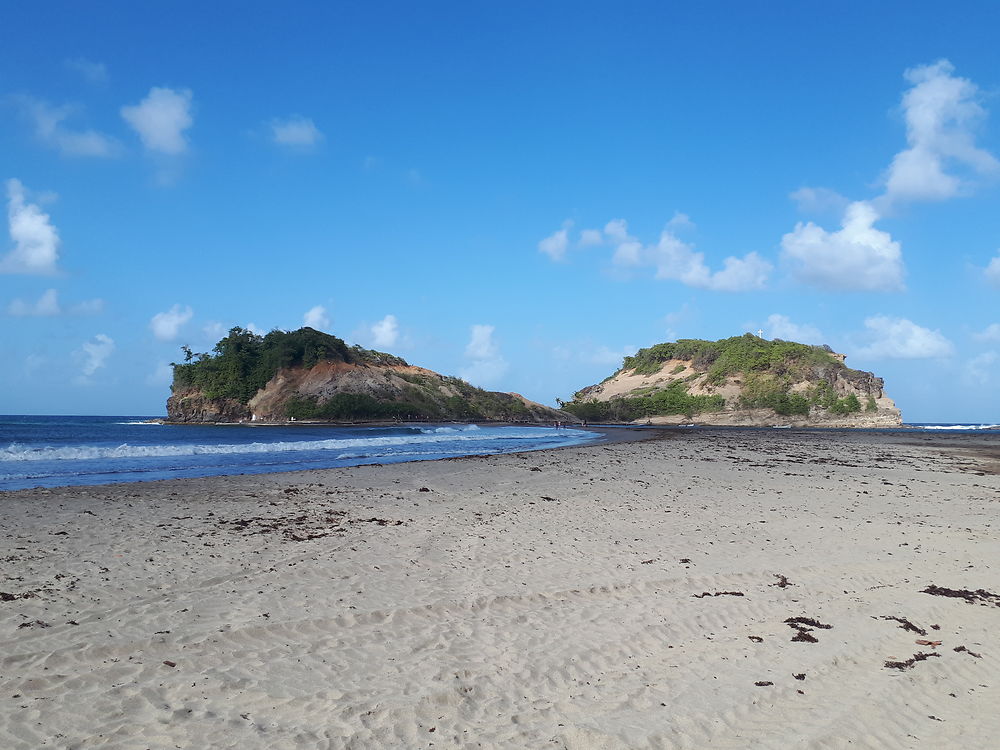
x,y
48,451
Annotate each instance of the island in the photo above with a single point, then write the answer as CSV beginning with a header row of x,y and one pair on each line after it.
x,y
308,375
743,380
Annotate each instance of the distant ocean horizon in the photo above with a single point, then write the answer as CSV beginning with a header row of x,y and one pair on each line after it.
x,y
56,451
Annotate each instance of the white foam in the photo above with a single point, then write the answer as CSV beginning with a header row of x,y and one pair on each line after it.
x,y
960,427
19,452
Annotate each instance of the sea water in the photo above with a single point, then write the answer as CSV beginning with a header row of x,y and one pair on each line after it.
x,y
51,451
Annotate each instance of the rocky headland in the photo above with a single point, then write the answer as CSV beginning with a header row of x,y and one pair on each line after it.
x,y
744,380
308,375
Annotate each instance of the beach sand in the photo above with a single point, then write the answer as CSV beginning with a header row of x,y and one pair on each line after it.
x,y
628,595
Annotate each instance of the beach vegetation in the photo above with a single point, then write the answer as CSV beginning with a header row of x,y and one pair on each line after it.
x,y
243,362
770,374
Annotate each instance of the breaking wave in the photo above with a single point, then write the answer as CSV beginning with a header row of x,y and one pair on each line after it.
x,y
361,446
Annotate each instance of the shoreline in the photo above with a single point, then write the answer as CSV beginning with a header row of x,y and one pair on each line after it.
x,y
630,594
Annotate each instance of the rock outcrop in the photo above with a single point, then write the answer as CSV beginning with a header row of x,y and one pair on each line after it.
x,y
744,380
307,375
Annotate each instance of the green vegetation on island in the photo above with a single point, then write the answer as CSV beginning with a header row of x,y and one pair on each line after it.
x,y
243,362
378,386
769,375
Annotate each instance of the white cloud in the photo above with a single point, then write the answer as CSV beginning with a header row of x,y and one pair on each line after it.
x,y
47,304
88,307
161,119
93,354
167,325
254,329
486,364
857,256
315,317
781,327
36,241
674,259
591,237
680,222
940,111
617,231
990,333
992,271
162,375
981,368
385,333
296,132
92,72
213,330
556,244
50,130
899,338
819,200
606,356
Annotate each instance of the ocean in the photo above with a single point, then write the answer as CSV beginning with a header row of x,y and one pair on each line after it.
x,y
56,451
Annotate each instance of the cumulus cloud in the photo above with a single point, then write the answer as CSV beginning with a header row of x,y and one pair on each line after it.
x,y
485,365
992,271
87,307
92,72
47,304
385,333
49,126
296,132
93,354
990,333
676,260
781,327
857,256
161,119
981,368
899,338
162,375
940,111
252,327
36,241
819,200
213,330
556,244
591,237
316,317
166,326
604,355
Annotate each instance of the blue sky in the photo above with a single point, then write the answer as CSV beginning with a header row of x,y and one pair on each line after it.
x,y
517,193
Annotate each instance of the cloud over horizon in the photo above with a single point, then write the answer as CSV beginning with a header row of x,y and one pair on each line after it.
x,y
166,326
856,257
316,317
93,354
899,338
486,365
941,112
36,241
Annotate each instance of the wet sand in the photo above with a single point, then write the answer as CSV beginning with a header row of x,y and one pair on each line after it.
x,y
706,589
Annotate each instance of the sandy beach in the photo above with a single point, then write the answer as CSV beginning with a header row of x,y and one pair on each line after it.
x,y
705,589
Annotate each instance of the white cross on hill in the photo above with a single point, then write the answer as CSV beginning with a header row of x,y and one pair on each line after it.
x,y
760,333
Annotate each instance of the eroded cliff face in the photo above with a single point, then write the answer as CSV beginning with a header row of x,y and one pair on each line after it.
x,y
445,398
841,380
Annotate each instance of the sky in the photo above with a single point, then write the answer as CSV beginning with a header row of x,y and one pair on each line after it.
x,y
516,193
